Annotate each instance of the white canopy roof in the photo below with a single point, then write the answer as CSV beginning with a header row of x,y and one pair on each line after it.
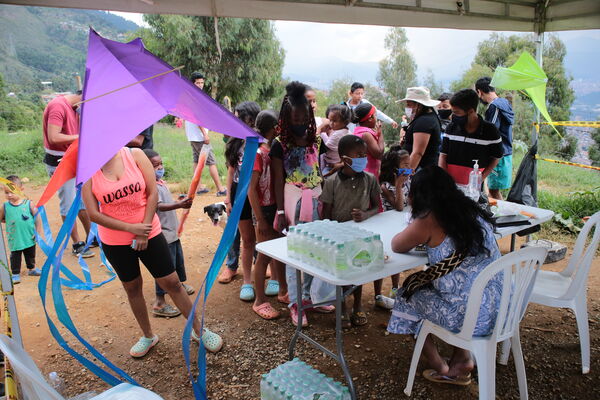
x,y
499,15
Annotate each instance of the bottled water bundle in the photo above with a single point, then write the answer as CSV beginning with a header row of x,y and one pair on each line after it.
x,y
340,249
296,380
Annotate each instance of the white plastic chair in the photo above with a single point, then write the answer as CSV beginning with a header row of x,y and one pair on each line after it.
x,y
519,270
567,288
35,387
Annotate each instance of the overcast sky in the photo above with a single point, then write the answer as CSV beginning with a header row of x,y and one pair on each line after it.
x,y
447,52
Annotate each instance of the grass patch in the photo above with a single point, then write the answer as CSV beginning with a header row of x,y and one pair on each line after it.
x,y
22,154
176,153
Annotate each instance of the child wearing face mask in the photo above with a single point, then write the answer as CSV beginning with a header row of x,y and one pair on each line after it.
x,y
296,180
169,224
365,116
351,194
339,117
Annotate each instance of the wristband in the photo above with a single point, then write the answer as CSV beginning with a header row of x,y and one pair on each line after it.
x,y
280,212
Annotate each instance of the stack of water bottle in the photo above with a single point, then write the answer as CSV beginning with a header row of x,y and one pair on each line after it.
x,y
296,380
341,249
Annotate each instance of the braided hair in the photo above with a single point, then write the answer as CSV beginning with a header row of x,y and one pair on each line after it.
x,y
294,100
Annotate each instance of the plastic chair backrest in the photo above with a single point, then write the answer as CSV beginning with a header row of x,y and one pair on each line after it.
x,y
519,270
581,260
33,384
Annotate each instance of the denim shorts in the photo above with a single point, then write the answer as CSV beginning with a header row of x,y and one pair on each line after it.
x,y
66,193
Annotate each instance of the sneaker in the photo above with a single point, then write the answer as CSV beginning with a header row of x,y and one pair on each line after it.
x,y
94,243
294,315
16,278
222,193
394,292
384,302
34,272
203,191
78,249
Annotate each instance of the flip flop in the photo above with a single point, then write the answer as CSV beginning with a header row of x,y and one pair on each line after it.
x,y
143,346
168,311
359,318
211,341
433,376
247,292
266,311
272,288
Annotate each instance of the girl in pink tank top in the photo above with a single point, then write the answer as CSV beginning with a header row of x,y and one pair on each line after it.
x,y
365,115
124,199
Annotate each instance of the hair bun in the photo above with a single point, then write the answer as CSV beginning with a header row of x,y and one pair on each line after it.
x,y
295,91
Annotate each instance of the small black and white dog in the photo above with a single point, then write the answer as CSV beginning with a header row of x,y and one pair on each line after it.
x,y
217,213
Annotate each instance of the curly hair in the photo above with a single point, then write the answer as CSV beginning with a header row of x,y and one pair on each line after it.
x,y
389,164
295,99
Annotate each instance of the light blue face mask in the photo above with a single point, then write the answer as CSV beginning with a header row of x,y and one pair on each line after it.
x,y
359,164
159,173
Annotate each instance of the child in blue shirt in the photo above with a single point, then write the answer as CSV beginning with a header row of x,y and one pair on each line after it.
x,y
21,224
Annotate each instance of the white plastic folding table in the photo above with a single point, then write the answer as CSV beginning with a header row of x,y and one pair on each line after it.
x,y
386,224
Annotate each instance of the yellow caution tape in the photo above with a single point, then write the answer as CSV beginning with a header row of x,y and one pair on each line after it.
x,y
581,124
12,187
567,163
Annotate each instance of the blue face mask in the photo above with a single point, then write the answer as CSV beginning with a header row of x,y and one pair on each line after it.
x,y
159,173
359,164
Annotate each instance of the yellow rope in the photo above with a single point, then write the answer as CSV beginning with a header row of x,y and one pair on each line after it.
x,y
567,163
581,124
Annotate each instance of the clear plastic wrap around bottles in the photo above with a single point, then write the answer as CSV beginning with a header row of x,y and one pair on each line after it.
x,y
296,380
341,249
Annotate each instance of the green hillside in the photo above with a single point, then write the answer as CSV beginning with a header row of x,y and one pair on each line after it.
x,y
49,44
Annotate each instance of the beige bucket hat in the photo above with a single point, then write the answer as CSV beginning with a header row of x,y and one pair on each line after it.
x,y
419,94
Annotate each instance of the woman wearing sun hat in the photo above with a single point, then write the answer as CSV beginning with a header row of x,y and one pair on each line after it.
x,y
423,134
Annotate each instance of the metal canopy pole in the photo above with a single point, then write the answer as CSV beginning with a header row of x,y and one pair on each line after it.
x,y
539,50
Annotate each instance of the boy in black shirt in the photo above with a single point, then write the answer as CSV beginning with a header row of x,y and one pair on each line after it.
x,y
468,138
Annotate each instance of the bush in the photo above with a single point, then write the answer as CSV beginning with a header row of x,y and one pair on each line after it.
x,y
22,154
568,147
570,208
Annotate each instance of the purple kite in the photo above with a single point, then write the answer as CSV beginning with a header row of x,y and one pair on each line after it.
x,y
109,122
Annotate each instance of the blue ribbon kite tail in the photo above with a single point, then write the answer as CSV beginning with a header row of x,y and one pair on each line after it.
x,y
199,385
71,280
53,265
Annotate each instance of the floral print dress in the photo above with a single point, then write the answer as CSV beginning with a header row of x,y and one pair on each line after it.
x,y
444,302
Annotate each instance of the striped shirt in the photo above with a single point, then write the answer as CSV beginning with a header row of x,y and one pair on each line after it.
x,y
461,148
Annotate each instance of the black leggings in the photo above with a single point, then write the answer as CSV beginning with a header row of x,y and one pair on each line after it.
x,y
15,259
125,260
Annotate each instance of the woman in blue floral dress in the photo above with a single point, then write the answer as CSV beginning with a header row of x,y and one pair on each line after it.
x,y
447,222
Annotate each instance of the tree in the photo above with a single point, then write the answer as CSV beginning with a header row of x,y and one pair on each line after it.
x,y
435,88
500,50
252,58
594,150
397,72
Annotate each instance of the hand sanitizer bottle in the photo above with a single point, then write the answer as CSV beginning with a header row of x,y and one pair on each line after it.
x,y
475,182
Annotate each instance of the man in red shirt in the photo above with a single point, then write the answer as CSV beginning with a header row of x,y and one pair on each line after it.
x,y
61,128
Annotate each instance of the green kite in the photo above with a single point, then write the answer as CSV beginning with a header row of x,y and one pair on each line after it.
x,y
527,75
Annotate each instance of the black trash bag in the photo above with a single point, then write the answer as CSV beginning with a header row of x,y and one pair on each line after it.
x,y
524,188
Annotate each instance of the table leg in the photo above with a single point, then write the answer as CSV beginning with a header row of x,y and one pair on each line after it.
x,y
298,331
339,339
513,238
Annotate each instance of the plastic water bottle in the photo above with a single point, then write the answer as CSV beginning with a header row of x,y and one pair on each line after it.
x,y
291,241
475,181
56,382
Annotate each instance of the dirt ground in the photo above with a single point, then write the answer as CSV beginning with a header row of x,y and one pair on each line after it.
x,y
379,362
